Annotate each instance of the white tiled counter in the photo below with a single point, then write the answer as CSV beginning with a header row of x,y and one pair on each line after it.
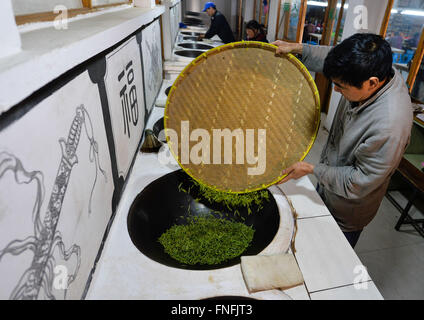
x,y
330,267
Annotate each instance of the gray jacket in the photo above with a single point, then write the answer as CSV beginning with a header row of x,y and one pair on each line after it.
x,y
363,150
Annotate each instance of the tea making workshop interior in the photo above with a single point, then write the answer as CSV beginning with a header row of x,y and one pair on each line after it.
x,y
95,206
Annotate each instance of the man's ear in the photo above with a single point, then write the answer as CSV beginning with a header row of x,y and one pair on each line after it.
x,y
373,83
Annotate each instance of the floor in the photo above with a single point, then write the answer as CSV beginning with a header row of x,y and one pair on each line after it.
x,y
394,259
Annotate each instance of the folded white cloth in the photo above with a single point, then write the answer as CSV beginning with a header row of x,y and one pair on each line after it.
x,y
266,272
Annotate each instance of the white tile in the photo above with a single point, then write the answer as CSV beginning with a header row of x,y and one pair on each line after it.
x,y
397,272
298,293
381,233
324,256
364,291
304,198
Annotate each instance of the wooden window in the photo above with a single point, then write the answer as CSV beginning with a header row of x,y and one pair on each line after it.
x,y
403,29
290,20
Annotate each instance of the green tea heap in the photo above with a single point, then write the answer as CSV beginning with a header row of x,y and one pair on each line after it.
x,y
232,200
206,240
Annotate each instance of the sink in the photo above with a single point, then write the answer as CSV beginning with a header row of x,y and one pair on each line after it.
x,y
188,53
193,13
193,22
199,46
190,38
193,34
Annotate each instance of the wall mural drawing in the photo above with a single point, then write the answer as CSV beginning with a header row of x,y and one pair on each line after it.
x,y
46,239
152,62
125,98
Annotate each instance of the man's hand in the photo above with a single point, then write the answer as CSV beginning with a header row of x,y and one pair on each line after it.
x,y
296,171
288,47
200,37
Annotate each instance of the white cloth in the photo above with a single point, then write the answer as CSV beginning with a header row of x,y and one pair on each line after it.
x,y
266,272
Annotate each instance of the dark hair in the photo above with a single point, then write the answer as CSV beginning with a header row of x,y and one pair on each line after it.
x,y
254,25
358,58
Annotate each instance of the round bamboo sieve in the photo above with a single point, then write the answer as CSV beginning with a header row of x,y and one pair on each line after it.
x,y
239,114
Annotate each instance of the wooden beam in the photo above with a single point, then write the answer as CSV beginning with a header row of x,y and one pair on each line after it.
x,y
328,22
267,14
386,19
301,21
277,27
255,5
286,21
323,84
339,21
87,4
415,66
239,20
260,11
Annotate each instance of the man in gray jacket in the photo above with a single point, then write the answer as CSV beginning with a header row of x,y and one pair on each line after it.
x,y
370,130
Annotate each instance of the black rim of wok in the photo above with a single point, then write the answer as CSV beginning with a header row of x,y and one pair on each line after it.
x,y
191,33
189,53
190,38
199,46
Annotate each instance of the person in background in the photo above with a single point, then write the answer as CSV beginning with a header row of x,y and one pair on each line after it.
x,y
370,131
219,25
255,31
396,41
308,29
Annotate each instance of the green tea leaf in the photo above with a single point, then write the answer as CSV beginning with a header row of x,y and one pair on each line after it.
x,y
206,240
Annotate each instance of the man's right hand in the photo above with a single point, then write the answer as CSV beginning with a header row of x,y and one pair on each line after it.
x,y
288,47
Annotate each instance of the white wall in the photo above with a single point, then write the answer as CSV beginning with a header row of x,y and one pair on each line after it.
x,y
248,10
170,26
375,13
272,20
9,36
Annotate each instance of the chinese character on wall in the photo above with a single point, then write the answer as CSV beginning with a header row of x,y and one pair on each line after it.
x,y
128,98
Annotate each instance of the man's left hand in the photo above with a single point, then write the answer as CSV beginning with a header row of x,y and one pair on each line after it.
x,y
296,171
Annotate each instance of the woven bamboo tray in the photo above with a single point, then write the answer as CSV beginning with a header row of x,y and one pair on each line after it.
x,y
242,86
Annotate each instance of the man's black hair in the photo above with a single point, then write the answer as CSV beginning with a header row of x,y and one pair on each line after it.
x,y
358,58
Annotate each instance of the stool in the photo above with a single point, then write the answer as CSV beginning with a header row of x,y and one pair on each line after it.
x,y
410,170
410,174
